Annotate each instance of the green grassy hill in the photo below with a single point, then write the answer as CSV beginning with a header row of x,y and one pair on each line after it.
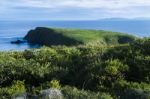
x,y
58,36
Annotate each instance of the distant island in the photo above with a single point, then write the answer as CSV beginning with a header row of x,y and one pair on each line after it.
x,y
125,19
70,37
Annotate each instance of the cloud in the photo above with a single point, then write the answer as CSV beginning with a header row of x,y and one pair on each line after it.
x,y
86,9
107,4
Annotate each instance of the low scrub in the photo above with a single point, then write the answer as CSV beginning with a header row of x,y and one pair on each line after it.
x,y
120,71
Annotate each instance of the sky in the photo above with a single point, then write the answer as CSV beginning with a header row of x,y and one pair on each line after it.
x,y
73,9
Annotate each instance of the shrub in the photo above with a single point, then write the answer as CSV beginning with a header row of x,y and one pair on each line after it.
x,y
18,87
74,93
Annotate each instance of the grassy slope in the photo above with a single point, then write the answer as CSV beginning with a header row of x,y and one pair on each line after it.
x,y
78,36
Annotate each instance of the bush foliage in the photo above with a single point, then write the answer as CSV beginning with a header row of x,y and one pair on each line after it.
x,y
102,72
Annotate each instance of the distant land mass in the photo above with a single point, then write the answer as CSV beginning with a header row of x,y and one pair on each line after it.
x,y
124,19
59,36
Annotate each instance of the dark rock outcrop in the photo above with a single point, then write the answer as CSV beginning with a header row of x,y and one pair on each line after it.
x,y
17,42
48,37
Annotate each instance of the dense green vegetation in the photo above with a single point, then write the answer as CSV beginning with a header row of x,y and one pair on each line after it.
x,y
81,72
57,36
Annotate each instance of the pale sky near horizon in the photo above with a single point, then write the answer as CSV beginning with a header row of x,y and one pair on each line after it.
x,y
73,9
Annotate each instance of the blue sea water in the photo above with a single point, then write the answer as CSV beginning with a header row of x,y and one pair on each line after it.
x,y
13,30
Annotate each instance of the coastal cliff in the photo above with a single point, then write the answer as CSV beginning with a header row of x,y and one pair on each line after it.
x,y
69,37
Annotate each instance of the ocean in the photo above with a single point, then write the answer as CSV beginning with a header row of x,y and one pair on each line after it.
x,y
13,30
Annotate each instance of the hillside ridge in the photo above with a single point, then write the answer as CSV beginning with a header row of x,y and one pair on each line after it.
x,y
69,37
